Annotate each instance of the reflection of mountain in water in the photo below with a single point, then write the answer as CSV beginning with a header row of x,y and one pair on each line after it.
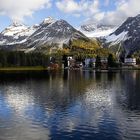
x,y
70,105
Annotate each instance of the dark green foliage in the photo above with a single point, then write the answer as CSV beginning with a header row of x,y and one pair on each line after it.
x,y
90,64
98,62
111,61
17,58
137,56
65,61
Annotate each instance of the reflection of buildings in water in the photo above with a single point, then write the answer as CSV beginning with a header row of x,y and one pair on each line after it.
x,y
88,75
134,74
98,101
117,99
76,99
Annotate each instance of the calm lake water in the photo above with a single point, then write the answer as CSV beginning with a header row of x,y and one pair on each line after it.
x,y
70,106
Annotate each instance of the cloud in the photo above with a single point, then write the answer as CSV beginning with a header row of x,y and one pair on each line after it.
x,y
68,6
75,7
93,11
107,2
124,9
18,9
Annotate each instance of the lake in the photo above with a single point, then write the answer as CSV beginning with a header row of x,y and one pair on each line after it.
x,y
70,105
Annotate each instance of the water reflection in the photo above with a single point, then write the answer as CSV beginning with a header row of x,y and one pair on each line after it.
x,y
70,105
129,89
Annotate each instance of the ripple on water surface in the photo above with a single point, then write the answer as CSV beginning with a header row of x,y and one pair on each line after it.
x,y
71,106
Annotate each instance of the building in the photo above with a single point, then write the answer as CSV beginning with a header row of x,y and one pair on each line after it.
x,y
130,61
90,61
71,62
69,59
104,63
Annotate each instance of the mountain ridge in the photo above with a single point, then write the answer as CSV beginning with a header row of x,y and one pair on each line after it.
x,y
57,33
127,35
49,32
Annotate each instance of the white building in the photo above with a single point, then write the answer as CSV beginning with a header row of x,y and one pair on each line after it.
x,y
88,61
104,60
69,58
130,61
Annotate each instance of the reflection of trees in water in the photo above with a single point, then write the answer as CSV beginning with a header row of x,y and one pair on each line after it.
x,y
68,99
112,76
52,90
62,90
55,90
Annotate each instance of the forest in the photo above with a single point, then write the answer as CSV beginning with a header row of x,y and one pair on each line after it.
x,y
19,58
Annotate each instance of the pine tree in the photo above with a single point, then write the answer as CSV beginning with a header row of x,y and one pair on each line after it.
x,y
111,61
98,62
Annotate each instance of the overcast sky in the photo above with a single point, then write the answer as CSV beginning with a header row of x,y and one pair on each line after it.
x,y
76,12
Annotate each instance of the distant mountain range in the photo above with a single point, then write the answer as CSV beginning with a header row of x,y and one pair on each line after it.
x,y
125,38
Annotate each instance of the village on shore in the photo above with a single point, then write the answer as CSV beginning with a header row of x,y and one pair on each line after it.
x,y
98,63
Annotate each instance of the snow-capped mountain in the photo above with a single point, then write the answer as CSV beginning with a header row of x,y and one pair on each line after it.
x,y
127,35
16,33
48,32
47,21
97,30
58,32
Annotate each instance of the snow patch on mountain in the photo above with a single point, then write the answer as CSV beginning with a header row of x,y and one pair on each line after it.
x,y
16,34
115,39
126,35
18,30
96,31
47,21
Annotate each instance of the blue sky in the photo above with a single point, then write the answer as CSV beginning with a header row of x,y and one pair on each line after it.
x,y
76,12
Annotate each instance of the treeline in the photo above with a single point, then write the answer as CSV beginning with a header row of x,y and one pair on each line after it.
x,y
137,56
111,62
18,58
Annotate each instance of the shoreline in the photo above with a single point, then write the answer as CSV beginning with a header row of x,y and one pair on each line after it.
x,y
40,68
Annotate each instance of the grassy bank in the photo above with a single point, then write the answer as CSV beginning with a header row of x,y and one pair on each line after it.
x,y
33,68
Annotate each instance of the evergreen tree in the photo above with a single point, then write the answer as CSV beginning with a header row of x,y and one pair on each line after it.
x,y
15,58
98,62
111,61
65,61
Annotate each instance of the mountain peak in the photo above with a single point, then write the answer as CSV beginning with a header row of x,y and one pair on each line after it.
x,y
138,16
57,33
47,21
16,24
16,33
